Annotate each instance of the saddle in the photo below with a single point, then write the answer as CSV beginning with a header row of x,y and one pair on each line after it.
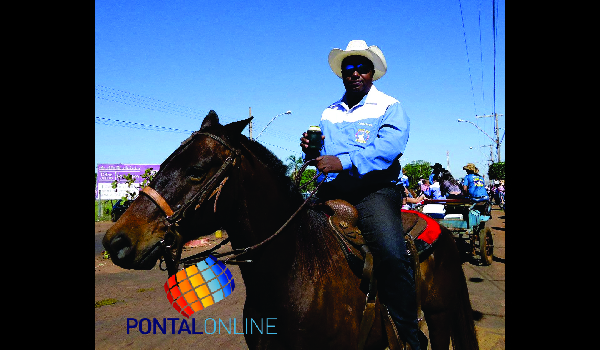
x,y
419,229
421,232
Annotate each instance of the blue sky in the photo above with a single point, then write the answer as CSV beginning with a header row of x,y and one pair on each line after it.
x,y
167,63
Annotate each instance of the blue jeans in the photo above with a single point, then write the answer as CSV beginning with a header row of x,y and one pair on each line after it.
x,y
381,225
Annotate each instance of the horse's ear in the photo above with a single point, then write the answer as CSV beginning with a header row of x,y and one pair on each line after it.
x,y
211,119
237,127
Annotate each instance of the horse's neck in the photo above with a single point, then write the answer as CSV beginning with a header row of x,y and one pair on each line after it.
x,y
259,208
303,246
262,206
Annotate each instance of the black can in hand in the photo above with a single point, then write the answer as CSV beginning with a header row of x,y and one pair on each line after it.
x,y
314,138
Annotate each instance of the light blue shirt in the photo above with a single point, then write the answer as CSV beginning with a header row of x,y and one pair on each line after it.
x,y
436,192
369,136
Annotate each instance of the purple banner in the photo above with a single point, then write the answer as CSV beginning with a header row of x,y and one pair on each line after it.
x,y
107,173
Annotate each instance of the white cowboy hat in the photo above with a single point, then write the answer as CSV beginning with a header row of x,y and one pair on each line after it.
x,y
358,48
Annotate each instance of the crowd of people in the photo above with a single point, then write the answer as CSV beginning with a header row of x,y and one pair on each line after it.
x,y
442,185
496,191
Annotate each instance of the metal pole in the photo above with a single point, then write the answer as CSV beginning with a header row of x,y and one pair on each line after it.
x,y
250,126
496,130
99,204
265,128
497,137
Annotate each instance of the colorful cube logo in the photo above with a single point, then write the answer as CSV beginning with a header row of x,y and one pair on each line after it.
x,y
199,286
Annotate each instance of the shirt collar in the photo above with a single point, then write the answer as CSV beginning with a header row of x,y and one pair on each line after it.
x,y
367,99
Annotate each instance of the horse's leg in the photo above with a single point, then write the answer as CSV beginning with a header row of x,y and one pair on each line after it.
x,y
446,303
454,323
259,339
439,330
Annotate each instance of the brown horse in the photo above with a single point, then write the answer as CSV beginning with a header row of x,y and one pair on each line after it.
x,y
300,277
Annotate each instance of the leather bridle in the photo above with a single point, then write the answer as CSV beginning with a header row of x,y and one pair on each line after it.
x,y
172,243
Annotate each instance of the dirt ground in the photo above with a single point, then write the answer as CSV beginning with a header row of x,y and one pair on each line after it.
x,y
140,295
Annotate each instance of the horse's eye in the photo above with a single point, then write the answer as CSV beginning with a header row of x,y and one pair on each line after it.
x,y
196,173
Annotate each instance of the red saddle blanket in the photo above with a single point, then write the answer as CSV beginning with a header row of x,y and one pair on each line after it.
x,y
432,230
343,218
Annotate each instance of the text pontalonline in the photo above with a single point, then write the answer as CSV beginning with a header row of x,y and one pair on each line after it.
x,y
211,326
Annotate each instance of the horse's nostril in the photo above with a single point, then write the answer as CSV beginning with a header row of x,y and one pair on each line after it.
x,y
122,254
121,246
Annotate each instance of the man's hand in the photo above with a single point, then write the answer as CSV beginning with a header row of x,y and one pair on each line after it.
x,y
329,164
304,142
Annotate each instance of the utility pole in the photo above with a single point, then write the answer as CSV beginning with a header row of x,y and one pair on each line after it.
x,y
496,131
250,126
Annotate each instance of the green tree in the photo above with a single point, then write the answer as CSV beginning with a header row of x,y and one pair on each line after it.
x,y
496,171
148,175
416,170
294,166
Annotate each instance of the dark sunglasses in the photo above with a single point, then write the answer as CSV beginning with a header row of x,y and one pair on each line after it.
x,y
360,68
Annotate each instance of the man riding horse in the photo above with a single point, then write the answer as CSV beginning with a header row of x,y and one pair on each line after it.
x,y
364,134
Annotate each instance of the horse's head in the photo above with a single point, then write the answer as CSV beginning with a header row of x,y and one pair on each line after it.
x,y
181,194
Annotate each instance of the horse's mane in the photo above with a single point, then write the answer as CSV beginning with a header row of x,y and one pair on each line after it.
x,y
274,164
266,156
313,244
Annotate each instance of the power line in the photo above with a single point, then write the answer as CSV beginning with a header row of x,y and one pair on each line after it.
x,y
495,26
149,103
141,126
481,54
283,148
136,100
467,49
495,32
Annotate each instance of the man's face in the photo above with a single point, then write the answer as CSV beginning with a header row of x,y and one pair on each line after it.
x,y
357,74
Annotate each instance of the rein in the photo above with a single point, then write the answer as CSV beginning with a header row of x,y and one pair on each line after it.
x,y
238,252
173,248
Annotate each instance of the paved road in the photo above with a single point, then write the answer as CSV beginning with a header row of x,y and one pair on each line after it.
x,y
487,289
